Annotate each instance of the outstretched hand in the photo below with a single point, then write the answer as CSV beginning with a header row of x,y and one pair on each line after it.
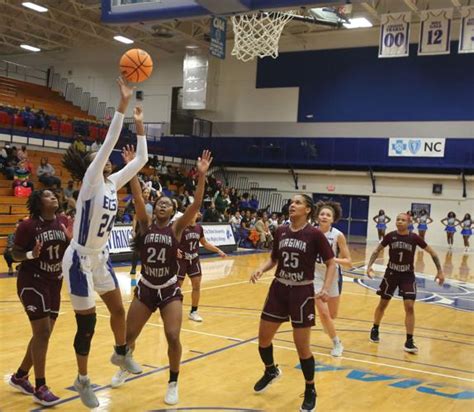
x,y
128,153
204,162
138,113
126,91
37,249
370,273
68,229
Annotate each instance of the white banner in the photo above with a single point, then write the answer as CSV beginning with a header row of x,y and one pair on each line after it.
x,y
412,147
435,32
119,239
219,234
395,35
466,36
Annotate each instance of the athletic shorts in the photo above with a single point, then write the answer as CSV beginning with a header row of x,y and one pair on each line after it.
x,y
155,299
86,273
189,267
405,282
41,297
334,289
295,303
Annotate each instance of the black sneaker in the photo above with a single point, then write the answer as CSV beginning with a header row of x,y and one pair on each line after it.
x,y
267,379
410,346
309,403
374,335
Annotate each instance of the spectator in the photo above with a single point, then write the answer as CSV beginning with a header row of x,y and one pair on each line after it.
x,y
244,202
285,210
220,202
46,174
235,221
22,154
273,223
7,254
233,197
211,214
22,175
79,144
68,192
96,145
254,203
263,230
246,218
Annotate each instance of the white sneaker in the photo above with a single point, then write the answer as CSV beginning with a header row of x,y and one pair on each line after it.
x,y
195,316
119,378
337,350
171,397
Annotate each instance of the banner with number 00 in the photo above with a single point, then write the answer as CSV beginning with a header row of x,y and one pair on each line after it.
x,y
466,37
435,32
395,35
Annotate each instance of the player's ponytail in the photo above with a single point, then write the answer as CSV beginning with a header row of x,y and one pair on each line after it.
x,y
76,162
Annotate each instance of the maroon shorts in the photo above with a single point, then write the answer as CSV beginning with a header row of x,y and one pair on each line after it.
x,y
155,299
41,297
405,282
290,302
189,267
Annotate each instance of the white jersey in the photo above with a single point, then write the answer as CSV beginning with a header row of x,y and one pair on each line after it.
x,y
332,235
97,203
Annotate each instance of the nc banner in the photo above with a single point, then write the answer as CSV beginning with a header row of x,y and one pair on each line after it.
x,y
394,35
412,147
435,32
219,234
466,37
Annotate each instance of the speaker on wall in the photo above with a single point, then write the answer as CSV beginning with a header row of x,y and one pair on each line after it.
x,y
437,188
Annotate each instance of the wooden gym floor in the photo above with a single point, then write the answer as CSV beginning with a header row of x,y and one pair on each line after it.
x,y
220,357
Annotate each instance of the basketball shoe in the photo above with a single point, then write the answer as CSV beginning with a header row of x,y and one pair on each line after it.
x,y
374,335
410,346
309,402
172,397
119,378
86,393
126,362
45,397
21,384
267,379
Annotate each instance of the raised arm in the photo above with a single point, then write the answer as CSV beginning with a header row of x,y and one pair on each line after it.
x,y
344,258
94,173
132,168
180,224
140,211
373,258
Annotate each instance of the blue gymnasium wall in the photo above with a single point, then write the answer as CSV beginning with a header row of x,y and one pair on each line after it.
x,y
351,85
317,153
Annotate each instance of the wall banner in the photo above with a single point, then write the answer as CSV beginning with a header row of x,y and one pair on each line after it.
x,y
435,32
394,35
413,147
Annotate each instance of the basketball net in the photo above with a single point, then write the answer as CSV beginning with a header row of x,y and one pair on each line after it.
x,y
258,34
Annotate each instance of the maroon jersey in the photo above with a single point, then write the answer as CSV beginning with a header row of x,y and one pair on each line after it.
x,y
296,252
190,241
55,243
402,250
158,255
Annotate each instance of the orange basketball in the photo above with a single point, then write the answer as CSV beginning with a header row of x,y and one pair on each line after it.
x,y
136,65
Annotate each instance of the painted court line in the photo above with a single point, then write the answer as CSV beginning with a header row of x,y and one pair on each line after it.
x,y
381,364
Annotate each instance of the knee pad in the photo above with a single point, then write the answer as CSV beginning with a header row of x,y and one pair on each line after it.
x,y
85,331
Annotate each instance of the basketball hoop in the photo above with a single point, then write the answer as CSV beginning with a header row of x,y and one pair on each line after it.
x,y
258,34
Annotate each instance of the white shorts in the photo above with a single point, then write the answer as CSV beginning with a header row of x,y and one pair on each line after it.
x,y
319,282
86,273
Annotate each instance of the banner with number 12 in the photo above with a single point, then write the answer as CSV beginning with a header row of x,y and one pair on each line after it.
x,y
435,32
395,35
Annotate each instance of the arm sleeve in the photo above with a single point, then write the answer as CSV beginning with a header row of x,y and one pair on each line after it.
x,y
94,173
123,176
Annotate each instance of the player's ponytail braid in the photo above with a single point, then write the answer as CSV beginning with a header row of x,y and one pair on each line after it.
x,y
76,162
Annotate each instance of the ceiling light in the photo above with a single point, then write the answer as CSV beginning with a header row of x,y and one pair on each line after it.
x,y
30,48
35,7
123,39
357,23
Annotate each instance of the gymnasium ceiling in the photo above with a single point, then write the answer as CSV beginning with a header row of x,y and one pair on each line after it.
x,y
74,23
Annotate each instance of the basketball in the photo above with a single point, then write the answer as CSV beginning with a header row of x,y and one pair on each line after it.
x,y
136,65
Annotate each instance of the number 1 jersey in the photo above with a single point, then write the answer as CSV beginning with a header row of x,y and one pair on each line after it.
x,y
402,250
